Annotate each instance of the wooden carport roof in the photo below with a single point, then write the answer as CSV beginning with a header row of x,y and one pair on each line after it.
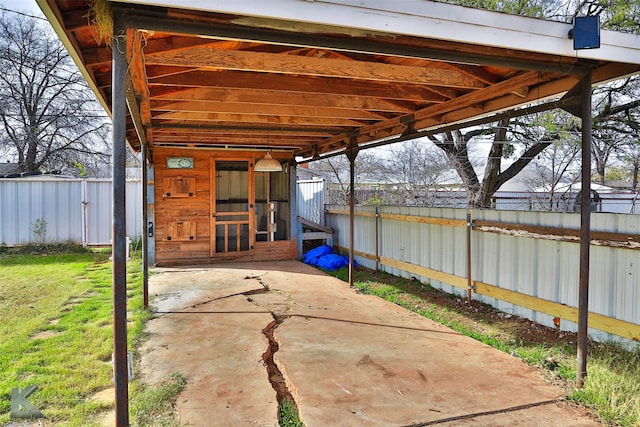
x,y
311,77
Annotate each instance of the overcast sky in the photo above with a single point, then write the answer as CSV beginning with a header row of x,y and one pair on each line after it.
x,y
29,6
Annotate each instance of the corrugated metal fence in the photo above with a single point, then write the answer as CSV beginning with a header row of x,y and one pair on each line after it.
x,y
73,209
311,196
525,263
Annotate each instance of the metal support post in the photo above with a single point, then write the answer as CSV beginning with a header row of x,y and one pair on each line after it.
x,y
119,106
469,281
352,153
377,239
145,234
585,231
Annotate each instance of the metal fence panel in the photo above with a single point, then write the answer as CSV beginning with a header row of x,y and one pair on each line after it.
x,y
311,194
98,210
134,208
72,209
23,203
543,268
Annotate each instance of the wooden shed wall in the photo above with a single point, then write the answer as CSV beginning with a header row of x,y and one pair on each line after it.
x,y
195,208
194,212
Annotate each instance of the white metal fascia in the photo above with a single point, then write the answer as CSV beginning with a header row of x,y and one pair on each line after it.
x,y
427,19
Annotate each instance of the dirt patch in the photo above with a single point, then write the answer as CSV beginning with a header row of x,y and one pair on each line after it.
x,y
107,419
45,334
107,395
474,316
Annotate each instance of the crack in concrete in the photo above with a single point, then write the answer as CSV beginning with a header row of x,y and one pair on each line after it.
x,y
275,376
258,277
263,290
487,413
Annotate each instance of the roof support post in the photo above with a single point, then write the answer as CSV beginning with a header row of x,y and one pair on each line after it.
x,y
119,107
352,153
585,230
145,222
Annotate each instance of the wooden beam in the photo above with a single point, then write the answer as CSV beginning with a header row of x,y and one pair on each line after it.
x,y
343,249
263,109
316,235
138,77
315,226
467,101
317,85
450,279
538,90
212,59
476,72
426,220
212,118
246,131
278,97
598,321
598,238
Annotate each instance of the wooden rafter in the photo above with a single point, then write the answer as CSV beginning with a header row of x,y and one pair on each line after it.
x,y
263,109
211,59
274,97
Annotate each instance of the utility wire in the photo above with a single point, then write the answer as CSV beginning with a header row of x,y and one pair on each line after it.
x,y
4,9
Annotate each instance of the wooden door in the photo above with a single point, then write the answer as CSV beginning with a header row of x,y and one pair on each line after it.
x,y
232,216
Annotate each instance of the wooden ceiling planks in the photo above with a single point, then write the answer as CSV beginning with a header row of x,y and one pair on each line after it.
x,y
303,87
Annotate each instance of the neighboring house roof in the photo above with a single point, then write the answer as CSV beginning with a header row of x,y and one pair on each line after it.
x,y
620,184
7,168
303,173
573,188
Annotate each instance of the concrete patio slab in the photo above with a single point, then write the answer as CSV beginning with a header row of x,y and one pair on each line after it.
x,y
347,359
217,343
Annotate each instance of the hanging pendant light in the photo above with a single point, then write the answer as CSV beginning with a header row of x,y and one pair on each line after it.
x,y
268,164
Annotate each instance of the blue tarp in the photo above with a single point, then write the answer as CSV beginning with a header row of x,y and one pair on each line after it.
x,y
312,256
323,257
333,262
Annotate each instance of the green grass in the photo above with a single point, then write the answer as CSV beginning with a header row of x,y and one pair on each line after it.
x,y
56,331
153,406
288,415
612,387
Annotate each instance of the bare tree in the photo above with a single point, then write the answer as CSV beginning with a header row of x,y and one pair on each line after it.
x,y
629,155
49,118
616,119
616,122
519,140
368,167
417,168
554,171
